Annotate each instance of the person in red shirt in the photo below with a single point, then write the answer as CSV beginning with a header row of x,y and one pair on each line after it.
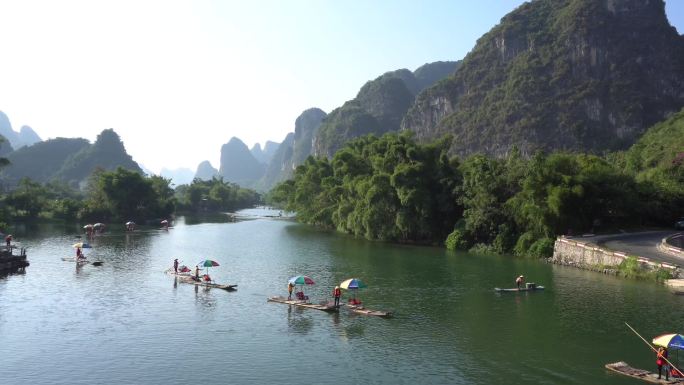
x,y
337,293
661,360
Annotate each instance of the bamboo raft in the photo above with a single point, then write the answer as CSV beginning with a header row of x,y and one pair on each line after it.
x,y
191,281
171,272
359,309
295,302
644,375
82,261
514,289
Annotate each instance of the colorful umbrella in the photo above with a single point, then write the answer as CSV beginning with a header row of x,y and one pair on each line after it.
x,y
82,245
352,283
301,280
130,223
675,341
208,263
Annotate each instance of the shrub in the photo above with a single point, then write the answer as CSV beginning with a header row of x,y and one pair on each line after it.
x,y
630,268
542,248
456,240
523,245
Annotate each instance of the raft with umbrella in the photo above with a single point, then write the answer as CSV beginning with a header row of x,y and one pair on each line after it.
x,y
354,305
301,281
84,260
669,341
190,279
302,300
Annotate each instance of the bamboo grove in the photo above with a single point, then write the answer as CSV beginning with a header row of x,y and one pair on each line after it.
x,y
392,188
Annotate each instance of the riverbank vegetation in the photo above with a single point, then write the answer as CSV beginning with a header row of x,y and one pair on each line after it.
x,y
631,268
393,188
215,195
119,196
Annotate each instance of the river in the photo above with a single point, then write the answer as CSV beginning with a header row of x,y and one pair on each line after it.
x,y
126,322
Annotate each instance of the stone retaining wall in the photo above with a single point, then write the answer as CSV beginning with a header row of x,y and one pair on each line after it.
x,y
669,245
586,255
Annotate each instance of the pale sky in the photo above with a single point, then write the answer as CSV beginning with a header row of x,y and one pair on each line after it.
x,y
177,79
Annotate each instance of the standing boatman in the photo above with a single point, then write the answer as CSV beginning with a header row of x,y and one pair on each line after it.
x,y
290,287
661,357
519,281
337,293
175,265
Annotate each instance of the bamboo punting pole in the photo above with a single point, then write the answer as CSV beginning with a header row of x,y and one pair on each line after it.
x,y
652,348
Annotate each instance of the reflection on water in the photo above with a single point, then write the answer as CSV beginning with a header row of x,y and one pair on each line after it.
x,y
298,321
450,326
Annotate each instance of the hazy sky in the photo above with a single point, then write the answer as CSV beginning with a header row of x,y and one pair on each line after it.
x,y
177,79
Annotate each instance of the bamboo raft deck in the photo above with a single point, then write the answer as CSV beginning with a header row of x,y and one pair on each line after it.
x,y
644,375
83,261
189,280
295,302
359,309
515,289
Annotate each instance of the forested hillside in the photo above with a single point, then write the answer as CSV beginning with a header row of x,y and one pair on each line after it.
x,y
579,75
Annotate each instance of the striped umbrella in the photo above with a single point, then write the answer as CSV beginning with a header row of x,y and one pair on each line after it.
x,y
208,263
352,283
301,280
675,341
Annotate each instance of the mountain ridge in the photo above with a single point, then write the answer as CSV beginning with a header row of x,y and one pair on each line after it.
x,y
559,75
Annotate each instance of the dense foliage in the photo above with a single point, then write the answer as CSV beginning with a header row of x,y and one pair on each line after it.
x,y
386,188
657,161
392,188
122,195
214,195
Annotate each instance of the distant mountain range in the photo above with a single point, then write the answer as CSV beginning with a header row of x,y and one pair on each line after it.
x,y
70,160
575,75
264,156
205,171
178,176
378,108
25,137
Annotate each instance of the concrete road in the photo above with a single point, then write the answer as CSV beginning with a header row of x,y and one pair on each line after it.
x,y
644,244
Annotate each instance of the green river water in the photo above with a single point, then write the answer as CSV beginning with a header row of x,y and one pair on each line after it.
x,y
126,322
